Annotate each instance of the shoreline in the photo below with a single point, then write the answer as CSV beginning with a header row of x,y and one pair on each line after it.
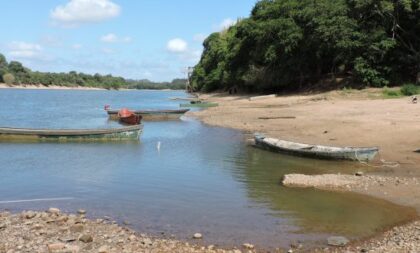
x,y
399,238
50,87
56,232
341,119
58,87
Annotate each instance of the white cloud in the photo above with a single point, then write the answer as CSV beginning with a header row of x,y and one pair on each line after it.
x,y
177,46
199,37
77,12
228,22
112,38
76,46
24,50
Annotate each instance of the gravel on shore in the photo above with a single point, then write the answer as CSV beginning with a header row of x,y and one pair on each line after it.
x,y
400,239
55,232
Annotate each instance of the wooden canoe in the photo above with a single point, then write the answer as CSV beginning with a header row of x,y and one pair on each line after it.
x,y
199,104
111,134
152,114
316,151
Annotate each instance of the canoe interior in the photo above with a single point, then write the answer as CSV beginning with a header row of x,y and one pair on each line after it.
x,y
112,134
152,114
316,151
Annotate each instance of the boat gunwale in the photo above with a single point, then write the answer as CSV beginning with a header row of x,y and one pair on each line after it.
x,y
151,112
67,132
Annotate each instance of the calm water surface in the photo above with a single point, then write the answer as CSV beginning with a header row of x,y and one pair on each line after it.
x,y
203,179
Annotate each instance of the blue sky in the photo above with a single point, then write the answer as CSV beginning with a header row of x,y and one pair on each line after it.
x,y
153,39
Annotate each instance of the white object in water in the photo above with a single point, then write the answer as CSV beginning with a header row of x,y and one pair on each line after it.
x,y
158,146
34,200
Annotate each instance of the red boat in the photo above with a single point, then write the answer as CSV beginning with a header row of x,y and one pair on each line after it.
x,y
128,117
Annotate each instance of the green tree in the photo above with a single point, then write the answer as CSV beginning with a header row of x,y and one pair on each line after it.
x,y
9,79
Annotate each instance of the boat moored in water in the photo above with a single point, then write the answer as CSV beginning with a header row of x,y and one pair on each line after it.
x,y
152,114
128,117
316,151
105,134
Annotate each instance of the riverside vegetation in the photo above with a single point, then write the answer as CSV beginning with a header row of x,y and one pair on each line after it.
x,y
14,73
295,45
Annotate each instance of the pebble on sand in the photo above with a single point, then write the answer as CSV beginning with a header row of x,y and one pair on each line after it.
x,y
197,236
338,241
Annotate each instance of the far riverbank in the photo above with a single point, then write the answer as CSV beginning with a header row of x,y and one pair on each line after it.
x,y
50,87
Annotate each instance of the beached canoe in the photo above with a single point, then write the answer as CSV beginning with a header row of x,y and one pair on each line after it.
x,y
111,134
152,114
316,151
199,104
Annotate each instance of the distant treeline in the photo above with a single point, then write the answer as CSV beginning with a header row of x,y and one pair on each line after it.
x,y
176,84
300,44
14,73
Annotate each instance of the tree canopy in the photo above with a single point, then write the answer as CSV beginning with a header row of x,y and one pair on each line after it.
x,y
297,44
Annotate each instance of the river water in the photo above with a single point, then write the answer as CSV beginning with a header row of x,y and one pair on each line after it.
x,y
202,179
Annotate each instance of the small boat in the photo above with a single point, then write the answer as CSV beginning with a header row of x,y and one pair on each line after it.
x,y
111,134
152,114
316,151
184,99
199,104
128,117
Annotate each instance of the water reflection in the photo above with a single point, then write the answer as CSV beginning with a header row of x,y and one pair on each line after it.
x,y
348,214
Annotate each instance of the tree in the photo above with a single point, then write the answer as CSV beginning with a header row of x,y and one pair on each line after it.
x,y
298,44
8,78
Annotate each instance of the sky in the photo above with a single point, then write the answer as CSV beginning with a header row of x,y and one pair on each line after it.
x,y
135,39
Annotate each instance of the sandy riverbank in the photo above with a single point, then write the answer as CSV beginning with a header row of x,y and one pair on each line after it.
x,y
50,87
357,118
55,232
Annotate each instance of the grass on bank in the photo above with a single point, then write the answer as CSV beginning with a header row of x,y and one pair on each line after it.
x,y
405,90
384,93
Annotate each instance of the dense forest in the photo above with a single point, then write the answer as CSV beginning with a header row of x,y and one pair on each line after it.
x,y
14,73
293,45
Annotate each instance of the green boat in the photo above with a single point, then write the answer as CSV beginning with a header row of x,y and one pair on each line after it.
x,y
152,115
199,104
111,134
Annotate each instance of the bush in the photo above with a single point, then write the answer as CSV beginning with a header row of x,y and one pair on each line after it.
x,y
410,89
8,78
367,74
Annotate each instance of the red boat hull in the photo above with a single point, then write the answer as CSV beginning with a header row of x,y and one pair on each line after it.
x,y
128,117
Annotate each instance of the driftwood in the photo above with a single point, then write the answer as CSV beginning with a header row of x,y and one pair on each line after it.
x,y
280,117
417,151
262,97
